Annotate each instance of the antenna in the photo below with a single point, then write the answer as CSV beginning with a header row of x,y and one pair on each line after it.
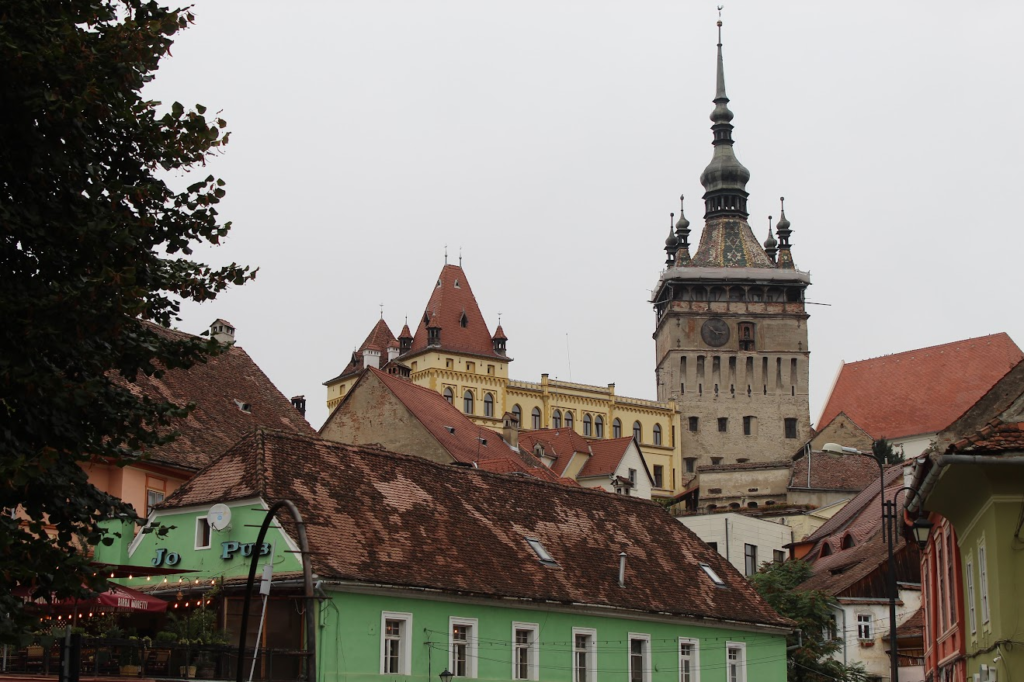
x,y
219,517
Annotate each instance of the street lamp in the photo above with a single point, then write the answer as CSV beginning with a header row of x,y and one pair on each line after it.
x,y
446,676
921,528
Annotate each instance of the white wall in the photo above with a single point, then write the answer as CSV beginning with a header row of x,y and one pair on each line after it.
x,y
874,656
914,445
766,536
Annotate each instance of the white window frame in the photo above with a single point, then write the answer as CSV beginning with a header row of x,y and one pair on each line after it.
x,y
645,655
404,642
471,645
741,670
969,577
591,654
532,651
869,624
983,580
694,659
200,520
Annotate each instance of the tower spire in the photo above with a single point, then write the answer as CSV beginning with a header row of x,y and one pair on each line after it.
x,y
770,245
725,178
782,229
671,243
682,237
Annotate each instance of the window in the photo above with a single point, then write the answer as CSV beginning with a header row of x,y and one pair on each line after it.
x,y
715,461
831,629
691,464
790,427
524,651
713,545
556,419
865,629
535,418
542,553
689,664
632,477
749,559
463,321
638,432
639,657
971,615
599,427
568,419
940,572
748,425
449,395
488,405
746,334
715,578
490,369
659,476
848,542
588,424
657,434
949,576
467,402
395,643
616,428
470,366
723,424
462,646
694,423
736,662
153,498
778,556
584,657
202,533
517,412
983,580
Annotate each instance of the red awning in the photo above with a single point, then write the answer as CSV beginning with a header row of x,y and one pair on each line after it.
x,y
118,598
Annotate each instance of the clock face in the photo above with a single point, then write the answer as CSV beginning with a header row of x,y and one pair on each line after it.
x,y
715,332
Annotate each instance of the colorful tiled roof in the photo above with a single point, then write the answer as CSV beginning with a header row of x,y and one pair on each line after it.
x,y
559,444
994,438
830,471
920,391
395,520
453,308
232,395
729,243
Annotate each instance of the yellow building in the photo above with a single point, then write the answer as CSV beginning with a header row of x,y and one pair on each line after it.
x,y
453,353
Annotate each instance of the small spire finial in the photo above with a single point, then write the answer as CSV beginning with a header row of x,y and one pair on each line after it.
x,y
460,256
446,254
382,311
499,318
719,24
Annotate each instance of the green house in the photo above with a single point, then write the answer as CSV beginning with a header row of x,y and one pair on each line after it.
x,y
425,567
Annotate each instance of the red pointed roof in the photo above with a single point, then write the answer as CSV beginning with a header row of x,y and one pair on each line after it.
x,y
920,391
454,309
406,333
379,339
499,333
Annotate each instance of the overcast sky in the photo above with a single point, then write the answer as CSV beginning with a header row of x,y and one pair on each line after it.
x,y
549,141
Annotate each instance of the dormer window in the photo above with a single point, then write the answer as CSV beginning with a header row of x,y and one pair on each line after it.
x,y
457,286
244,407
463,321
542,553
711,574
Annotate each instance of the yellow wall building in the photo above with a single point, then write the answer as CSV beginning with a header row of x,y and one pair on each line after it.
x,y
453,353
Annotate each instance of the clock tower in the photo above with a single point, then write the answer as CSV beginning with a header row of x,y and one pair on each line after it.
x,y
731,326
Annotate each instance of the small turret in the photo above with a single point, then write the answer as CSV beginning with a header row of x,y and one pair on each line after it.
x,y
672,243
770,245
405,339
782,229
433,331
682,237
498,340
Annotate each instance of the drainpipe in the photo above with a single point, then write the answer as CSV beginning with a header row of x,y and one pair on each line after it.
x,y
726,519
622,569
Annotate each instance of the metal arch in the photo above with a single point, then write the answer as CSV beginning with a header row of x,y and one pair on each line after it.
x,y
307,577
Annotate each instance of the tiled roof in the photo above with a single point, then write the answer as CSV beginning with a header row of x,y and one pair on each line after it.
x,y
220,387
912,627
846,516
451,299
920,391
387,519
729,243
465,441
606,454
839,571
561,444
745,466
379,339
995,437
830,471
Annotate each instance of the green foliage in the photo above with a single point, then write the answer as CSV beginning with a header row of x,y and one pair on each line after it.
x,y
94,246
810,651
885,453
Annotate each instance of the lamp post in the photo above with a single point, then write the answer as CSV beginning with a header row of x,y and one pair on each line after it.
x,y
890,520
446,676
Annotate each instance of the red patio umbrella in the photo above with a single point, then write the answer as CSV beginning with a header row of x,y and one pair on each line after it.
x,y
125,599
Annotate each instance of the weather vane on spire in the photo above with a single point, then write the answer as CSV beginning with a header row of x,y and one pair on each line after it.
x,y
460,256
381,311
719,24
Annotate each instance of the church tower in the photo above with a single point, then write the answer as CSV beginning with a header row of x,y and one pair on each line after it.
x,y
731,326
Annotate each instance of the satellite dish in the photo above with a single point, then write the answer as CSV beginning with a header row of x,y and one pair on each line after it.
x,y
219,516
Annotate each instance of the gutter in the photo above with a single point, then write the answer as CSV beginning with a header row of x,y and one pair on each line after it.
x,y
945,460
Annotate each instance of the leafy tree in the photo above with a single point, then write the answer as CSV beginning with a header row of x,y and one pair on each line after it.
x,y
885,453
810,652
94,251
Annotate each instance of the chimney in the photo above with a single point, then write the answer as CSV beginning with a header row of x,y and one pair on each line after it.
x,y
510,429
371,358
393,352
299,403
622,569
223,332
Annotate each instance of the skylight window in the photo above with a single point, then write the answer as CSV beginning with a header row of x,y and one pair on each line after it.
x,y
711,574
542,553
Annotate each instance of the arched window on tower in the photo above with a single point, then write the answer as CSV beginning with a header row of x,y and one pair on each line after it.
x,y
556,419
568,419
449,395
616,428
638,432
599,427
657,434
517,412
467,402
535,418
488,405
588,425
